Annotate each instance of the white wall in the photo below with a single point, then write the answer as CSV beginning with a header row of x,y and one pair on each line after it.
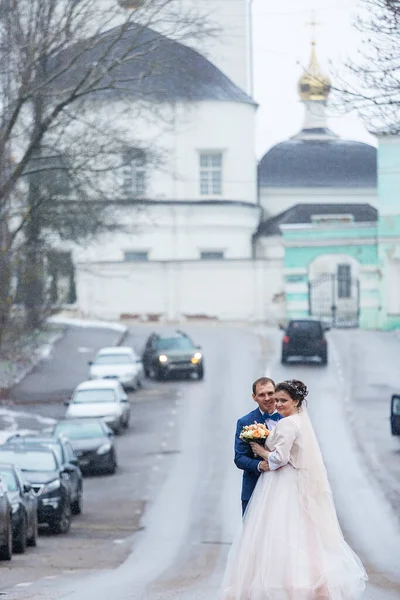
x,y
276,200
225,290
178,133
176,231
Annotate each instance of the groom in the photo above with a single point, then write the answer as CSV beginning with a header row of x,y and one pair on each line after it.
x,y
264,396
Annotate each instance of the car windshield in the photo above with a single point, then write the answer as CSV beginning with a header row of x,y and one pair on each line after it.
x,y
79,431
114,359
94,396
309,328
176,343
10,480
55,446
56,449
30,460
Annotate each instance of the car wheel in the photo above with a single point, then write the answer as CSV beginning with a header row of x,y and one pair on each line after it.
x,y
6,549
113,465
324,358
284,359
32,539
200,373
20,542
76,505
64,523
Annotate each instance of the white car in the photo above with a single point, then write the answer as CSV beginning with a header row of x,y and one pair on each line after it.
x,y
120,363
105,399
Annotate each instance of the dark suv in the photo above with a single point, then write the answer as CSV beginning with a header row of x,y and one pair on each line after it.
x,y
166,354
305,338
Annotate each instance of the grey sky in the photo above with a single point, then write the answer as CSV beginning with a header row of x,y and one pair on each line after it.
x,y
281,41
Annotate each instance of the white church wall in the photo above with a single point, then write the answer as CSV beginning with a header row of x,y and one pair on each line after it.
x,y
179,290
270,247
179,133
276,200
175,231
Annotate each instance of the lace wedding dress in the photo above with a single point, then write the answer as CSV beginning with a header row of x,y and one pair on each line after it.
x,y
291,546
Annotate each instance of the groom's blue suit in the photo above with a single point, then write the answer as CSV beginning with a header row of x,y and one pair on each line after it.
x,y
244,457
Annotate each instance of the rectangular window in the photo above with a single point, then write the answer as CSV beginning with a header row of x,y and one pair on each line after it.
x,y
212,255
211,173
344,281
136,255
134,173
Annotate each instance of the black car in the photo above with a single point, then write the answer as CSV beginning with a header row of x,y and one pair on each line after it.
x,y
24,508
305,338
167,354
49,482
395,414
6,535
66,457
93,443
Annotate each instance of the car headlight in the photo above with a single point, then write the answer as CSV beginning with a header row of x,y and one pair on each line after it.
x,y
15,507
163,358
196,358
52,486
104,448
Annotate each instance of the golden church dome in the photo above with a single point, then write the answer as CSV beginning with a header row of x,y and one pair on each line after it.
x,y
314,85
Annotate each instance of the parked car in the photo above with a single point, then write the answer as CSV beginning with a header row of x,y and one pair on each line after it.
x,y
305,338
121,363
93,443
49,483
165,354
67,459
105,399
6,534
395,414
24,507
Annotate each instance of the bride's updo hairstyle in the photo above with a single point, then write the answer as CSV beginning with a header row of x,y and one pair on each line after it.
x,y
296,389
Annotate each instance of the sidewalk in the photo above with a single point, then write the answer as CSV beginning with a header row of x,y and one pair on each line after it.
x,y
55,377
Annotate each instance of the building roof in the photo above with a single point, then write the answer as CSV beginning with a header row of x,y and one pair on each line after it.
x,y
303,213
329,163
153,67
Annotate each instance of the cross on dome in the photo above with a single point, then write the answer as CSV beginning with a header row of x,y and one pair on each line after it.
x,y
314,85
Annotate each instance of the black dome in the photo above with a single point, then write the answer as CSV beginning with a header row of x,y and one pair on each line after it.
x,y
153,67
319,163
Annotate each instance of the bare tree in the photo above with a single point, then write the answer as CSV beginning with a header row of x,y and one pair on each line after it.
x,y
57,58
371,84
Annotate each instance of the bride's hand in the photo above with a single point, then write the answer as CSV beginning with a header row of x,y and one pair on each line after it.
x,y
259,450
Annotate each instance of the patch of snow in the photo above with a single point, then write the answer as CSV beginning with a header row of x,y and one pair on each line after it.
x,y
7,413
59,319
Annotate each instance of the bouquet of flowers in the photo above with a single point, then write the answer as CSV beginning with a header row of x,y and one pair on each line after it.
x,y
254,433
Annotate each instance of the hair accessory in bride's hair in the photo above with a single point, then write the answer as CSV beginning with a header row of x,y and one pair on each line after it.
x,y
298,387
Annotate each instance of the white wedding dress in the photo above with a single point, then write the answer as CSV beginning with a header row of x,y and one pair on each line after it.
x,y
291,546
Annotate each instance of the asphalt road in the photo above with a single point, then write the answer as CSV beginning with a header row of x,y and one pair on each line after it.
x,y
168,516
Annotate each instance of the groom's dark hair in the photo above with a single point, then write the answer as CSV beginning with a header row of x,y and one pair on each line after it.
x,y
262,381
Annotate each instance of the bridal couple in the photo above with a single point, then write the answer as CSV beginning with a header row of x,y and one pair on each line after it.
x,y
290,546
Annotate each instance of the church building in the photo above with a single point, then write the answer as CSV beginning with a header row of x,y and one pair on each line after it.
x,y
214,235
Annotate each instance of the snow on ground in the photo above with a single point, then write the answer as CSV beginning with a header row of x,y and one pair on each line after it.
x,y
61,320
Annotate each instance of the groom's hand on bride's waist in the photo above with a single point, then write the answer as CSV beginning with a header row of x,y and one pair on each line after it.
x,y
263,466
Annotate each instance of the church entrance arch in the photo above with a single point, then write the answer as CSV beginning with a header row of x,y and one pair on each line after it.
x,y
334,290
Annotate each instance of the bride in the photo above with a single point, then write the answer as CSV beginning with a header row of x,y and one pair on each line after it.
x,y
291,546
